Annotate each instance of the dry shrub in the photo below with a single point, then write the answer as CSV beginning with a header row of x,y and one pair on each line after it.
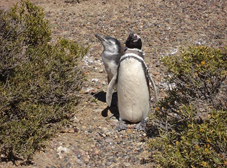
x,y
191,123
39,81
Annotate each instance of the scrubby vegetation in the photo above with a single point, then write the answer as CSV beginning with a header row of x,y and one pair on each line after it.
x,y
39,81
192,118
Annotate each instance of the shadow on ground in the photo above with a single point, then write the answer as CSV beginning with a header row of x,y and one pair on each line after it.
x,y
101,96
151,130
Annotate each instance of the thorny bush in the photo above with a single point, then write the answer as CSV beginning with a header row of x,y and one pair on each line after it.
x,y
39,81
190,119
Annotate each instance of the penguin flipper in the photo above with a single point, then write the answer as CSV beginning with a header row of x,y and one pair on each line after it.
x,y
110,90
154,87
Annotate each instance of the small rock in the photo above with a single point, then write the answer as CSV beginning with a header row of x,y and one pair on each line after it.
x,y
94,80
78,161
105,129
82,152
87,90
86,160
69,165
108,163
96,151
75,119
127,164
83,127
109,140
101,71
79,156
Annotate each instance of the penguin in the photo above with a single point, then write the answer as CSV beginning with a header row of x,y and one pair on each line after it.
x,y
134,41
110,55
133,90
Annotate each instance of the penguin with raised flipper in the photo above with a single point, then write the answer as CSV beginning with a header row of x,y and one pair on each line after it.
x,y
133,86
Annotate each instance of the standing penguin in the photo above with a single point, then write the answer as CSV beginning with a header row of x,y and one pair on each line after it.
x,y
133,86
134,42
110,55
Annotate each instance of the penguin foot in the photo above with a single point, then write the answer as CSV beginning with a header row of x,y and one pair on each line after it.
x,y
141,125
121,125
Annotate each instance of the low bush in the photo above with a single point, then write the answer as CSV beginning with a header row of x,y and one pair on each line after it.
x,y
192,127
195,145
197,73
39,81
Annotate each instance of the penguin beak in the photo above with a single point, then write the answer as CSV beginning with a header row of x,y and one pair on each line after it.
x,y
101,38
131,34
130,37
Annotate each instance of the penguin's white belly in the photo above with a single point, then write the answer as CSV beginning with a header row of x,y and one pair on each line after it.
x,y
133,93
111,68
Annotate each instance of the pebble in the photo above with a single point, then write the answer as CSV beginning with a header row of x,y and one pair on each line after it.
x,y
101,71
109,140
68,165
75,119
86,160
127,164
94,80
79,156
96,151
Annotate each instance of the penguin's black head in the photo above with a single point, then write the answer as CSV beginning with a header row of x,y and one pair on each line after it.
x,y
133,41
110,44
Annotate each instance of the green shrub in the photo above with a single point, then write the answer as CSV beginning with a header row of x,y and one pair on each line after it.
x,y
196,76
192,127
39,81
196,145
197,72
